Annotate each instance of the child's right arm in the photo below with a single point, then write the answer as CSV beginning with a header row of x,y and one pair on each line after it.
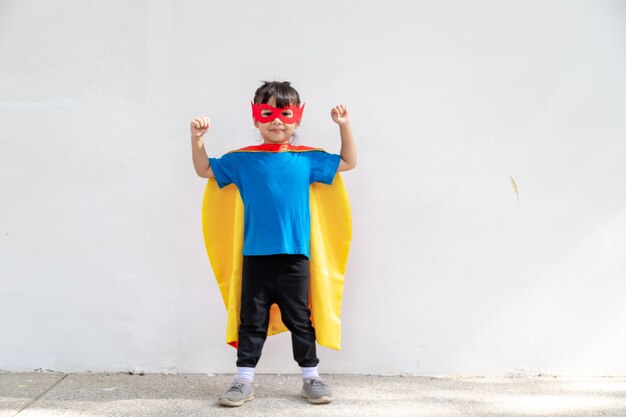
x,y
199,127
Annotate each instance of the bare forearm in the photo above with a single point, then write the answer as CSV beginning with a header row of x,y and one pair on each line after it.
x,y
199,126
341,116
200,158
348,146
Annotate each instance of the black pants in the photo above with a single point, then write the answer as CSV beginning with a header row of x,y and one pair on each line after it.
x,y
280,279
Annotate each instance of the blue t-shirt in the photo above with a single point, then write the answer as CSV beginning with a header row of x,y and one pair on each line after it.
x,y
274,187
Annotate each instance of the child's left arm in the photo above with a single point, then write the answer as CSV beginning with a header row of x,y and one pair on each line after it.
x,y
341,116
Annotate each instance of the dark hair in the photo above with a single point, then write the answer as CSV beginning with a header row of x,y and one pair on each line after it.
x,y
283,92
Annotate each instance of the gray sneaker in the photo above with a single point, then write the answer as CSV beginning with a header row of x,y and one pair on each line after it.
x,y
237,393
316,391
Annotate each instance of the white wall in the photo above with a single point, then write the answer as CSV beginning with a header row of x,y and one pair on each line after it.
x,y
102,263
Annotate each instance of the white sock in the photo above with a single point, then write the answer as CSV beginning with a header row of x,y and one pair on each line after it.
x,y
309,372
245,374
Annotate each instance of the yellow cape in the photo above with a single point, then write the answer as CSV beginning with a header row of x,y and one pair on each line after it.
x,y
331,233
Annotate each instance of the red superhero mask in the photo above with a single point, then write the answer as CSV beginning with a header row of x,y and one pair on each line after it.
x,y
257,109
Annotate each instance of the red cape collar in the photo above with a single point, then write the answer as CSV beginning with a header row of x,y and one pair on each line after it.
x,y
277,147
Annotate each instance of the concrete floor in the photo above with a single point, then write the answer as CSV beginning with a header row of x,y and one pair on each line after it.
x,y
90,394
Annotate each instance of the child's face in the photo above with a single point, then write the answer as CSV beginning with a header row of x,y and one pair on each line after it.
x,y
276,131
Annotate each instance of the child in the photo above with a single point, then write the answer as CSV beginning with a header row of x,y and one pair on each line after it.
x,y
273,180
